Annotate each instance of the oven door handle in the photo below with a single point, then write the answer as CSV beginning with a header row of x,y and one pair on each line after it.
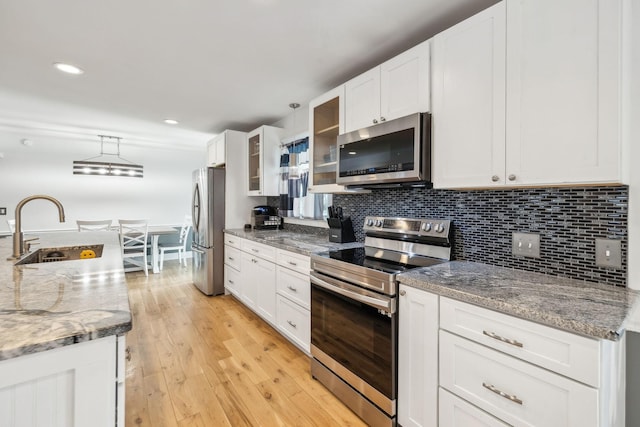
x,y
379,303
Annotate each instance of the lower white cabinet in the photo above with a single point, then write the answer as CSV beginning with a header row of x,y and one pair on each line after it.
x,y
417,358
272,282
73,386
455,412
464,365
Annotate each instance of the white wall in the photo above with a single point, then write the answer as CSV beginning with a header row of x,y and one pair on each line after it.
x,y
162,196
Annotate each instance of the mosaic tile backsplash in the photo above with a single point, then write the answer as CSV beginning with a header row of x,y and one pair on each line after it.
x,y
568,220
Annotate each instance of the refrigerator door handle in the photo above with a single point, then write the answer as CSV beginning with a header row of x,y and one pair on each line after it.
x,y
195,249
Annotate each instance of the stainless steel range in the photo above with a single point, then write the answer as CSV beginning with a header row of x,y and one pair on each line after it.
x,y
354,316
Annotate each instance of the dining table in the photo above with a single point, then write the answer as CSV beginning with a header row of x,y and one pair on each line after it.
x,y
155,231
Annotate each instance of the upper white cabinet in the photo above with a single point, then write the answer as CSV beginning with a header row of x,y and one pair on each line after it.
x,y
216,150
528,94
396,88
263,160
468,91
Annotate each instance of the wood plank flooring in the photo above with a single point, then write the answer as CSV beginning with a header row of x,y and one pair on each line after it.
x,y
210,361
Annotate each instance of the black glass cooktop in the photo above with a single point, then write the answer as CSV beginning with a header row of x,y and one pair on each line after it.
x,y
357,256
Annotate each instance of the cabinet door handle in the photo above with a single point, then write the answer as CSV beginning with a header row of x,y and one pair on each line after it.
x,y
231,242
292,324
230,281
403,293
512,177
128,354
499,338
382,119
255,250
254,260
495,178
293,263
375,122
230,258
511,397
292,288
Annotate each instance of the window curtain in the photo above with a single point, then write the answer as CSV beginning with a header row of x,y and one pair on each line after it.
x,y
295,201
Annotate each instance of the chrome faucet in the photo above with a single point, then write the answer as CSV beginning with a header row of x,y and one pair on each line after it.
x,y
18,243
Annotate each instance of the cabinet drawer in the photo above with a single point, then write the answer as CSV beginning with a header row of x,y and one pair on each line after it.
x,y
530,396
294,322
259,250
232,280
455,412
231,240
294,285
571,355
232,257
294,261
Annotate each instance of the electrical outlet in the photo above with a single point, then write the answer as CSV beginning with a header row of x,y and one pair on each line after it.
x,y
526,244
3,211
609,253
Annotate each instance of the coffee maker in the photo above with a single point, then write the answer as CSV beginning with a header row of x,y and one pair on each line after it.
x,y
265,217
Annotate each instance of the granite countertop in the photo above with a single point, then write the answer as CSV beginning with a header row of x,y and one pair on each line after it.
x,y
590,309
302,243
49,305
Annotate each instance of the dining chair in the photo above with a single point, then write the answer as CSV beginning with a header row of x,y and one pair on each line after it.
x,y
133,242
12,225
99,225
180,246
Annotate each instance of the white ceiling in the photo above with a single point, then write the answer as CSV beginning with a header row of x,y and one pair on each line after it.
x,y
211,64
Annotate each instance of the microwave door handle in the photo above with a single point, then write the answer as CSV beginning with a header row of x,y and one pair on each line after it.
x,y
381,304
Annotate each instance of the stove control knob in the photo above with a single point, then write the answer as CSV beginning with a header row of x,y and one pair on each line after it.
x,y
439,228
426,226
369,222
378,223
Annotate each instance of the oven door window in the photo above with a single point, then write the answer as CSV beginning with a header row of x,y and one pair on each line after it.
x,y
357,336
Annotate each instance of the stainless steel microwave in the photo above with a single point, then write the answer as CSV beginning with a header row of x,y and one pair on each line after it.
x,y
393,153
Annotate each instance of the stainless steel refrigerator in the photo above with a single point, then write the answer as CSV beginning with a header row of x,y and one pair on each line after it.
x,y
208,223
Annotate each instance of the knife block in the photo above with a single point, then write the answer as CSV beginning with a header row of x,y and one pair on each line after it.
x,y
341,230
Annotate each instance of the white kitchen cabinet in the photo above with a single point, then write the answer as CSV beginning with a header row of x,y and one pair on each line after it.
x,y
468,89
294,297
263,161
455,412
216,150
527,93
294,322
232,280
248,287
76,385
417,358
258,288
563,91
396,88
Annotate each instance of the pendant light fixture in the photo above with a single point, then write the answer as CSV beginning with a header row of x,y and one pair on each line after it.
x,y
97,166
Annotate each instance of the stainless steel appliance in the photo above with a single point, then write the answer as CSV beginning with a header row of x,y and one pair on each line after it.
x,y
208,224
354,315
393,153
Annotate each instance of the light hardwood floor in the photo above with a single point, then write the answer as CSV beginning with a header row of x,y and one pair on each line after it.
x,y
210,361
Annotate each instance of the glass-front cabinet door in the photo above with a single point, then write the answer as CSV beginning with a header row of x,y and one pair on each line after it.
x,y
254,163
326,122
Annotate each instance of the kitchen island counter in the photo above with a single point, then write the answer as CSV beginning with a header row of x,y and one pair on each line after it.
x,y
302,243
49,305
591,309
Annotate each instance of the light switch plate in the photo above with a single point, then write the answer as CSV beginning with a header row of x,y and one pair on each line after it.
x,y
609,253
526,244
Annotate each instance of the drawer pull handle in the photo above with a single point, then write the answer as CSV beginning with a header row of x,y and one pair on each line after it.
x,y
511,397
255,250
293,263
230,258
230,281
499,338
254,260
291,288
292,324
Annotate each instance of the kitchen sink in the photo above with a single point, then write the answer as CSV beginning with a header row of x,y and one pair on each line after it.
x,y
66,253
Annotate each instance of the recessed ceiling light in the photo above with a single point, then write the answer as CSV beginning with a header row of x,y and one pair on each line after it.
x,y
68,68
171,121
